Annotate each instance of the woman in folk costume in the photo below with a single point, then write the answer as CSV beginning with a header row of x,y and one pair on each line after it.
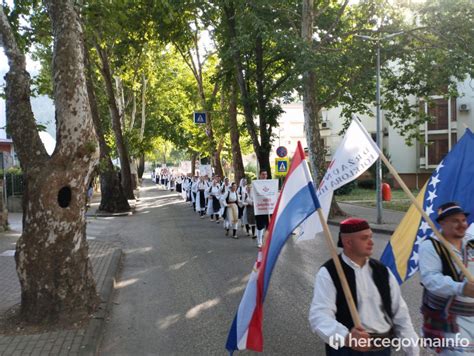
x,y
201,197
179,184
248,216
231,201
213,203
224,189
241,191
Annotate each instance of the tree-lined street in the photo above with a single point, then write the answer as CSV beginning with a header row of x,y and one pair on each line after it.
x,y
182,280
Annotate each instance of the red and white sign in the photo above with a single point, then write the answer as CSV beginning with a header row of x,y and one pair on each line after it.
x,y
265,195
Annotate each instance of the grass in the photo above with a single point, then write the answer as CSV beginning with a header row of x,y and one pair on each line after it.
x,y
366,197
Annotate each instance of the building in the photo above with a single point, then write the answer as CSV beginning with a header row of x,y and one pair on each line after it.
x,y
414,163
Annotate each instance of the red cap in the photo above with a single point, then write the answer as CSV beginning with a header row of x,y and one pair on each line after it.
x,y
351,225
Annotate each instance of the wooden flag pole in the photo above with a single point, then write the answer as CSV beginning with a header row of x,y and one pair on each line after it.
x,y
440,237
340,271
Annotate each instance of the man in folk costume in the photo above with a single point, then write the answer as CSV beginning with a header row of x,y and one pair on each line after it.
x,y
383,312
248,216
194,192
240,191
201,197
448,298
213,204
231,201
261,220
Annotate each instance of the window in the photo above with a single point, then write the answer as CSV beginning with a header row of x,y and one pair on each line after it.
x,y
438,147
438,110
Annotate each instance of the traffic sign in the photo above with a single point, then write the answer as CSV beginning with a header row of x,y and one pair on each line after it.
x,y
200,117
281,165
281,151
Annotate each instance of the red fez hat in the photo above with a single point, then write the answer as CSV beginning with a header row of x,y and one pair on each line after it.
x,y
351,225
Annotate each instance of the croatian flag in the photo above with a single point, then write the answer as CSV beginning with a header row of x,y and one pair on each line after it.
x,y
296,202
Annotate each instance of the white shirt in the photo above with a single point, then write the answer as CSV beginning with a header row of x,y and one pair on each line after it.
x,y
431,272
322,313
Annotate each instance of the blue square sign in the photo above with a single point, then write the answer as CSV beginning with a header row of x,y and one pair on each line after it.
x,y
200,118
282,166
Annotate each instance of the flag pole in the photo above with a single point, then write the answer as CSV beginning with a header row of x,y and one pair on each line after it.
x,y
340,271
425,216
438,234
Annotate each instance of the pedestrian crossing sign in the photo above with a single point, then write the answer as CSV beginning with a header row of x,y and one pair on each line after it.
x,y
200,117
281,165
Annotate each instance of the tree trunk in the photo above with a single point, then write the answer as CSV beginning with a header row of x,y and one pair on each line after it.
x,y
142,126
193,164
237,161
264,161
113,199
126,175
316,150
141,165
52,253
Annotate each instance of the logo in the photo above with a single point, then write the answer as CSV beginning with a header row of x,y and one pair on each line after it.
x,y
336,341
265,189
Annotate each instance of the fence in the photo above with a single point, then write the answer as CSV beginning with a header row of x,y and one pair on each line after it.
x,y
14,184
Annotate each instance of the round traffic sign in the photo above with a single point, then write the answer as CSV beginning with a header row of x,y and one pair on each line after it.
x,y
281,151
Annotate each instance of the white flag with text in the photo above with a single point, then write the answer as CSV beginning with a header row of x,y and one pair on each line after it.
x,y
355,154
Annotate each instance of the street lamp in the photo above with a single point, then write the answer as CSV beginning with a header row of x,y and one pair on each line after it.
x,y
378,170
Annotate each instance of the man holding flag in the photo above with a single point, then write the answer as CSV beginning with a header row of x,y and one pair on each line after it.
x,y
383,312
448,299
444,286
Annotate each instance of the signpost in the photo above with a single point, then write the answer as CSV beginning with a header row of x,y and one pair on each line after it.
x,y
282,152
200,117
282,165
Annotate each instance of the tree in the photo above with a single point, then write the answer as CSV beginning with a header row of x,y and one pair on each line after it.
x,y
259,39
52,253
113,199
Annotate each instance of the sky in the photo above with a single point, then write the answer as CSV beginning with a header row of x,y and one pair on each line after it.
x,y
43,107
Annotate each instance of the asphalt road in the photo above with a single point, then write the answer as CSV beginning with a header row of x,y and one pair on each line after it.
x,y
182,280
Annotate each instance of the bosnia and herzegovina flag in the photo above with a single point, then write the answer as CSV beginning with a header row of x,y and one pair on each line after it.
x,y
296,202
453,180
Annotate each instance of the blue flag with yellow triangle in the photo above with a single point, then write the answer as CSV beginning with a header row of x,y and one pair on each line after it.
x,y
452,180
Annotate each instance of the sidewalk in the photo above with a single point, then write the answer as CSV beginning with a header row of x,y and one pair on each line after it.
x,y
390,218
105,259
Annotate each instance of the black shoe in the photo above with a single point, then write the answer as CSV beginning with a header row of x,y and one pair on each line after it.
x,y
254,237
226,232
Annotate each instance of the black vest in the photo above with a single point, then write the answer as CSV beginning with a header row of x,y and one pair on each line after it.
x,y
381,279
448,267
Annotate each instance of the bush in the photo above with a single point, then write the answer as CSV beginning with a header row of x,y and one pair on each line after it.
x,y
345,189
366,184
250,176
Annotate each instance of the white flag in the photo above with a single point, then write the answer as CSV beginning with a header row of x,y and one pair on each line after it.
x,y
356,153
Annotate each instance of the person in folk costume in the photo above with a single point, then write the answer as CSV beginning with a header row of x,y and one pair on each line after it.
x,y
194,192
231,201
213,204
241,190
262,221
172,183
179,184
448,297
382,310
225,187
248,215
201,197
188,182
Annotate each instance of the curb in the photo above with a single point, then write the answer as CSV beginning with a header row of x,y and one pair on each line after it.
x,y
95,327
379,230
